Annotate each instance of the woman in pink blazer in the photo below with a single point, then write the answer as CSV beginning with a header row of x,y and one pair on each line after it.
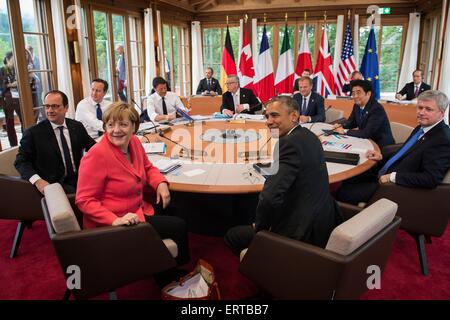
x,y
112,177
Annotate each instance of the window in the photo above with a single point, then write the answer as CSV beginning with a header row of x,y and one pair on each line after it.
x,y
137,63
102,49
213,44
176,59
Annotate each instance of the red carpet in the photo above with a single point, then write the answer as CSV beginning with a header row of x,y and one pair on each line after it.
x,y
35,272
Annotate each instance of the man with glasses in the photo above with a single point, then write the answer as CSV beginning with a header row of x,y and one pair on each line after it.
x,y
368,119
238,100
51,150
295,201
90,110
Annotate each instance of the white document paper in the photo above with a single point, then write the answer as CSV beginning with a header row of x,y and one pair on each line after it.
x,y
154,147
249,116
165,164
195,172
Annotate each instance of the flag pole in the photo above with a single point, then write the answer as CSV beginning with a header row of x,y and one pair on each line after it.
x,y
245,18
265,18
227,20
304,17
285,18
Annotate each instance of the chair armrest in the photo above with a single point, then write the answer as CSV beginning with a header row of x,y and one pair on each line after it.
x,y
112,256
389,150
348,210
414,206
290,269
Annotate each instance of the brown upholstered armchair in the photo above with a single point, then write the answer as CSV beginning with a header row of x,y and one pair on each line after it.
x,y
21,200
108,257
424,212
291,269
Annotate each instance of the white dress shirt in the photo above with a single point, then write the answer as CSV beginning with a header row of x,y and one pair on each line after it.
x,y
237,101
87,114
154,104
55,127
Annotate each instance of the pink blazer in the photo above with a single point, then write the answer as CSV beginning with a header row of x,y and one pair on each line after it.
x,y
109,186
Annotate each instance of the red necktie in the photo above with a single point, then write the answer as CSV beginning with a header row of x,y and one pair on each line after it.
x,y
417,92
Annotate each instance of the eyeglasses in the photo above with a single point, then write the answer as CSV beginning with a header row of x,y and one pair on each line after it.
x,y
51,106
228,83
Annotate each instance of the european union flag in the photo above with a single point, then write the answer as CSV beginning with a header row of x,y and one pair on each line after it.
x,y
369,65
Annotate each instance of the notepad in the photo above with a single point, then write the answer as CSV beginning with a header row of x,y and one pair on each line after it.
x,y
167,165
154,147
335,145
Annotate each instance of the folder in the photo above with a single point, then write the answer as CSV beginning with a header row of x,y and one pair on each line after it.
x,y
342,157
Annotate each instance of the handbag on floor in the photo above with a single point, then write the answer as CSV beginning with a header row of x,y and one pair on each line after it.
x,y
200,284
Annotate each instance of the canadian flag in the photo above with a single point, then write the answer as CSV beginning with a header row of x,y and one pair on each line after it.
x,y
246,70
304,55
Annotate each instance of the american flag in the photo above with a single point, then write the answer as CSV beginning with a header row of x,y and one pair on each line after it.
x,y
347,63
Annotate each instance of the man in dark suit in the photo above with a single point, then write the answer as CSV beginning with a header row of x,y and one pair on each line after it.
x,y
415,88
51,151
368,119
305,73
421,162
295,201
209,85
238,100
347,88
311,103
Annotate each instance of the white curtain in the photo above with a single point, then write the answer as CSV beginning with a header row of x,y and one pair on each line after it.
x,y
356,40
444,83
150,61
338,42
411,50
62,54
197,55
255,49
160,43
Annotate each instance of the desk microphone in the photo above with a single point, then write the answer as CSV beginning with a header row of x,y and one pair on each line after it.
x,y
191,152
248,154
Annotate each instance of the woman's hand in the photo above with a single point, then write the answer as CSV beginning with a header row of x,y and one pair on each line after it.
x,y
162,193
127,220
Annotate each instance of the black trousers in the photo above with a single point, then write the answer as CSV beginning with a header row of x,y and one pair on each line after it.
x,y
238,238
358,189
169,227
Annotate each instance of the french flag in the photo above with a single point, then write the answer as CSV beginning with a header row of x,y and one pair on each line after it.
x,y
264,83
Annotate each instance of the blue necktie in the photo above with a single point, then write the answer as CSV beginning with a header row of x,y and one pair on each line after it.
x,y
304,107
401,152
99,112
361,116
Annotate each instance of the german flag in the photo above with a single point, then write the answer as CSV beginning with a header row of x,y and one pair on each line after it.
x,y
228,65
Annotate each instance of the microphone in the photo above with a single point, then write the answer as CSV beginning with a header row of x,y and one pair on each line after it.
x,y
190,152
248,154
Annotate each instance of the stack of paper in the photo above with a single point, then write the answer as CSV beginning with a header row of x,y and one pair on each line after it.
x,y
167,165
249,116
155,147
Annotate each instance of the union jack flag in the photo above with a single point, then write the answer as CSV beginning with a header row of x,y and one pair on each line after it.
x,y
347,63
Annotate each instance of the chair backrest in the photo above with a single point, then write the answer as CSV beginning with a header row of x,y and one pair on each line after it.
x,y
400,131
7,158
58,212
333,115
446,179
353,233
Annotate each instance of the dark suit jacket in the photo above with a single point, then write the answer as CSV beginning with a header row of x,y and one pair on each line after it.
x,y
39,152
408,89
203,86
315,108
428,160
374,125
245,96
296,202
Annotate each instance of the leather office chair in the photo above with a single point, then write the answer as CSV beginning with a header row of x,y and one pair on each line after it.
x,y
400,131
108,257
291,269
21,200
424,212
332,114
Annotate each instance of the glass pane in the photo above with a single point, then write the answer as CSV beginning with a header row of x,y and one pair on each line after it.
x,y
119,56
32,12
212,50
167,54
102,49
10,111
331,33
391,39
176,58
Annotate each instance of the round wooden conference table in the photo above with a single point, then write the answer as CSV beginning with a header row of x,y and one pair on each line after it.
x,y
216,186
217,156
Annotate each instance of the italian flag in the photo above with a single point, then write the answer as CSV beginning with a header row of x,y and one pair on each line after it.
x,y
284,79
